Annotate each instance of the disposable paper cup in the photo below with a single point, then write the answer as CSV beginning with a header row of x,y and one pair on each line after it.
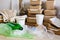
x,y
21,20
39,19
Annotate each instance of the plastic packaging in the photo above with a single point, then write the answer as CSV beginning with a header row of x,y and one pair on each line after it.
x,y
19,32
5,30
51,34
22,33
15,26
42,32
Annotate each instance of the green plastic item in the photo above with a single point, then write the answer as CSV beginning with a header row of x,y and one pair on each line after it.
x,y
5,30
15,26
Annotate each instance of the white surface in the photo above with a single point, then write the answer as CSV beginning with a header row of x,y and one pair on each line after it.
x,y
5,4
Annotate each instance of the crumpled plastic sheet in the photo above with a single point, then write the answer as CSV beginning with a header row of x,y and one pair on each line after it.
x,y
43,33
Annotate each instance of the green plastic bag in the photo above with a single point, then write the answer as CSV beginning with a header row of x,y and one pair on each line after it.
x,y
15,26
5,30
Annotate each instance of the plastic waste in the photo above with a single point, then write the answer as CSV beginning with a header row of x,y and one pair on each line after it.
x,y
10,30
15,26
5,30
22,33
17,33
36,32
41,32
50,34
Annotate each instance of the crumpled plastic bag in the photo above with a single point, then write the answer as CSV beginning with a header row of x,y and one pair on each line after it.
x,y
15,26
42,32
5,30
22,34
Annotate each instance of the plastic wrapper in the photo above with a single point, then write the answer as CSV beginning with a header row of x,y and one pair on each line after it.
x,y
41,32
22,33
5,30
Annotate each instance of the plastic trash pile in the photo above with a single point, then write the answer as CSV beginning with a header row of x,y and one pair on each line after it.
x,y
14,30
42,32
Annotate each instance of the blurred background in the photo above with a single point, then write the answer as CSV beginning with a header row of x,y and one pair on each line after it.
x,y
14,5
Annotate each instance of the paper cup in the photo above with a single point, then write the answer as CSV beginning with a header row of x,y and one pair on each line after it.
x,y
39,19
21,20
